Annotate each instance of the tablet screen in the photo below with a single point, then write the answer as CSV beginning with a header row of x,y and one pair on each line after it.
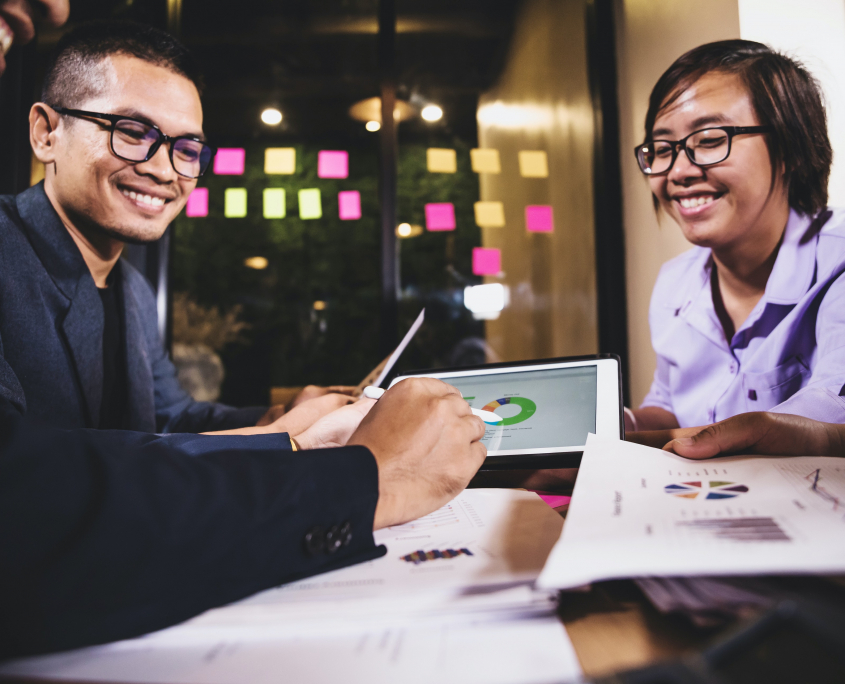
x,y
541,409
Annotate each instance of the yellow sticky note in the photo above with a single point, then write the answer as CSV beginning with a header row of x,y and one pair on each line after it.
x,y
441,160
490,214
274,203
533,164
310,204
280,160
235,203
485,161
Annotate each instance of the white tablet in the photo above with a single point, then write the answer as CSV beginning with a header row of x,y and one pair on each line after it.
x,y
547,407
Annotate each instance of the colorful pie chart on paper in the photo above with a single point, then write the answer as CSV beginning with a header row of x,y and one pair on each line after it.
x,y
527,409
713,489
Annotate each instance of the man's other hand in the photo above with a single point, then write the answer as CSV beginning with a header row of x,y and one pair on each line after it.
x,y
426,442
305,394
335,428
770,434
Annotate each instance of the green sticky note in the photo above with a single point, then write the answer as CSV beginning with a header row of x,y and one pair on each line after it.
x,y
274,203
235,206
310,206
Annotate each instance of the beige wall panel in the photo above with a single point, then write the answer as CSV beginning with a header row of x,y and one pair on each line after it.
x,y
542,102
651,34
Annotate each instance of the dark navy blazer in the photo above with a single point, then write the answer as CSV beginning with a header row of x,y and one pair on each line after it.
x,y
51,334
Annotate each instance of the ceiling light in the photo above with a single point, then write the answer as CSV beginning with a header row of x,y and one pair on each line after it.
x,y
271,116
258,263
406,230
373,126
432,113
486,301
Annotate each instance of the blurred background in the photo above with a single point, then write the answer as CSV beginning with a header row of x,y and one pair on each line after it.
x,y
502,195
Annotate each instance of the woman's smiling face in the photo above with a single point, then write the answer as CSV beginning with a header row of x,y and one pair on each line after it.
x,y
730,202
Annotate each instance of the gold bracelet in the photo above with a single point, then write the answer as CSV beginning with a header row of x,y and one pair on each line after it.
x,y
293,445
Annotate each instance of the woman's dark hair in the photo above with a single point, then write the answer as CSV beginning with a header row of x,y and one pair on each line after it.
x,y
74,73
784,96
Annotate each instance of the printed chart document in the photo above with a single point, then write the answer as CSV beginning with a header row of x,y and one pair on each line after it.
x,y
639,512
454,594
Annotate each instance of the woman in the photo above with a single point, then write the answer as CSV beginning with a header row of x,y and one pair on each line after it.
x,y
752,318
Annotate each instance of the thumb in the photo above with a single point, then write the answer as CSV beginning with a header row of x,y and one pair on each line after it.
x,y
729,436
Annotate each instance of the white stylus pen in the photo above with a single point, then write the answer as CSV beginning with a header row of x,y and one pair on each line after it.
x,y
487,416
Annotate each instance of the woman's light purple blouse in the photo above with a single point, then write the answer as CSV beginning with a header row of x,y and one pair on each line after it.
x,y
789,356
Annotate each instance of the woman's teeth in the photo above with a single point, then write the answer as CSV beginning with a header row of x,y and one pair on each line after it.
x,y
690,202
6,37
144,199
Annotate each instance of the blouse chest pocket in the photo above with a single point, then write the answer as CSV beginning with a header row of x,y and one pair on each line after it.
x,y
770,388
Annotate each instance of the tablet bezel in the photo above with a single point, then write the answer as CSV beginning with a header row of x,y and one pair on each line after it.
x,y
566,457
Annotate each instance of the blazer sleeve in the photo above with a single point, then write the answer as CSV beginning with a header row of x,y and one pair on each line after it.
x,y
106,535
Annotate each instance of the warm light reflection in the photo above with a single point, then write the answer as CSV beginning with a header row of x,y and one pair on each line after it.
x,y
373,126
407,230
431,113
319,305
271,116
259,263
504,115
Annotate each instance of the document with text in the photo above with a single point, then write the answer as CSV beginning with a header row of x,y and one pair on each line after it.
x,y
640,512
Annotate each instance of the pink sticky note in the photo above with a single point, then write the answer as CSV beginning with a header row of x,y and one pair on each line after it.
x,y
486,260
539,219
229,161
332,164
197,202
554,500
349,205
440,216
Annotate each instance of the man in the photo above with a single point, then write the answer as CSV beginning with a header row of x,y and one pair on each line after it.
x,y
109,534
120,133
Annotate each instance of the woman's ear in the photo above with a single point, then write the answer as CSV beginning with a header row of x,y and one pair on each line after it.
x,y
43,125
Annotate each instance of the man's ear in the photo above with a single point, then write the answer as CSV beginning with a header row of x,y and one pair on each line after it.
x,y
43,125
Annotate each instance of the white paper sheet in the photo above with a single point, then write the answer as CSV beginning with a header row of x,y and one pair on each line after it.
x,y
524,651
639,512
465,617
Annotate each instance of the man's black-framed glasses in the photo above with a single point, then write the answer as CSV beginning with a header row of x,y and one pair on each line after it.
x,y
705,147
137,141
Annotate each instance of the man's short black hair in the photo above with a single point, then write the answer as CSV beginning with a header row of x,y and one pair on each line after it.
x,y
74,74
784,96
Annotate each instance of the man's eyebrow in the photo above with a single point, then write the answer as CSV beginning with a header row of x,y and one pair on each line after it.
x,y
699,123
140,116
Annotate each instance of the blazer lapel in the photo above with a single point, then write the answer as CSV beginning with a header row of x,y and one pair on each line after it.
x,y
139,374
83,329
82,324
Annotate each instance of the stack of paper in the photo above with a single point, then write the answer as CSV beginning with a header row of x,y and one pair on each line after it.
x,y
453,598
641,512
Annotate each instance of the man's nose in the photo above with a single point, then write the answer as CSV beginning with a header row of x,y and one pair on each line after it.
x,y
158,165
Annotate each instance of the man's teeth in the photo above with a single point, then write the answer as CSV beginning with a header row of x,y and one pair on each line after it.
x,y
144,199
6,37
690,202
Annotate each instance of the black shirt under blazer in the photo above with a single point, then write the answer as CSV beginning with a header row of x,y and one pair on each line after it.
x,y
51,334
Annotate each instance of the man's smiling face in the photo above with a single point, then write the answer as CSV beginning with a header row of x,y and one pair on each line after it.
x,y
98,191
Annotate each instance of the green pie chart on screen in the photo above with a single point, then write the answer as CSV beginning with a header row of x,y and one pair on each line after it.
x,y
527,407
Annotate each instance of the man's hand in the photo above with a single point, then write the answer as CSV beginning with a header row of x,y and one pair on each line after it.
x,y
771,434
305,394
298,419
335,428
19,18
426,442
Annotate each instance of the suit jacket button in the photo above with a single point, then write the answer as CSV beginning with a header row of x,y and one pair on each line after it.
x,y
333,539
315,541
346,533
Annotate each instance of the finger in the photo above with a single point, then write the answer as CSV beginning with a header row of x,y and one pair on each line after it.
x,y
343,389
730,436
55,12
479,453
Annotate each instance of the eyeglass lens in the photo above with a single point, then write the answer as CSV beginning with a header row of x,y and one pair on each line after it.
x,y
132,140
705,147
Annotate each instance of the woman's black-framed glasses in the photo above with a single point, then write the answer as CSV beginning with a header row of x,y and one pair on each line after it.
x,y
137,141
705,147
